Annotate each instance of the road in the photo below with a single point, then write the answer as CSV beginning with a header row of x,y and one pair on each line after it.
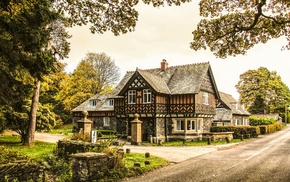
x,y
265,159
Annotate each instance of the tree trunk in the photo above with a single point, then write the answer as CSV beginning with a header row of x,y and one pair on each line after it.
x,y
32,117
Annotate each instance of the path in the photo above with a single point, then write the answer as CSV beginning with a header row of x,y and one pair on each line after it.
x,y
171,154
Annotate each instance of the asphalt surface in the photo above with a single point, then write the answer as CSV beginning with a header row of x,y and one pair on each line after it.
x,y
264,159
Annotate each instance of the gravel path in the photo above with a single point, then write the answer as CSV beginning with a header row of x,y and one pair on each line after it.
x,y
46,137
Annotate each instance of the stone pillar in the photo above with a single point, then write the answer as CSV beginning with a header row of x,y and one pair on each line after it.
x,y
85,124
89,166
136,131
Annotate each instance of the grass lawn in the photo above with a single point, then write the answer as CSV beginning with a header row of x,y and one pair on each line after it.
x,y
37,151
193,143
64,130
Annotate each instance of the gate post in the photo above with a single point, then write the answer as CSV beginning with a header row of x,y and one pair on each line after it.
x,y
136,131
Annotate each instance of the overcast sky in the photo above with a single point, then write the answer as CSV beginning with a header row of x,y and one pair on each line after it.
x,y
166,33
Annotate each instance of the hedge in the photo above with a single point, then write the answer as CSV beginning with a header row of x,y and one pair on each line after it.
x,y
258,121
267,129
245,131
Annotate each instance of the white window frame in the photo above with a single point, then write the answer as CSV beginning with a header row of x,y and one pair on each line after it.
x,y
110,102
132,97
180,124
239,122
93,103
147,96
106,121
205,98
191,125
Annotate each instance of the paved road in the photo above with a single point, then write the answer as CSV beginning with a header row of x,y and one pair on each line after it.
x,y
266,159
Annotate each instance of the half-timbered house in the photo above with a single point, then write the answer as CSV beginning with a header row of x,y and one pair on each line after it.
x,y
173,102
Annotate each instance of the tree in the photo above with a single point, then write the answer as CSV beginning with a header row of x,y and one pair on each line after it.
x,y
18,120
97,73
25,35
263,91
106,73
115,16
232,27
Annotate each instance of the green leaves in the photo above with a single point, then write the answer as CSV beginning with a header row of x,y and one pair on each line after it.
x,y
233,27
263,91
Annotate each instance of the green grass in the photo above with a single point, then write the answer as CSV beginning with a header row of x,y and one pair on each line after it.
x,y
193,143
38,151
155,162
64,130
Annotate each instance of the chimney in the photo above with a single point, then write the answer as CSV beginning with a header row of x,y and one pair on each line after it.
x,y
164,65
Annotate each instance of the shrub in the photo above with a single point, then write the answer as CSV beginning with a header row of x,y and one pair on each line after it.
x,y
239,131
59,169
267,129
258,121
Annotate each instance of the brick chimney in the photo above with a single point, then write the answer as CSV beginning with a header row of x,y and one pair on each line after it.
x,y
164,65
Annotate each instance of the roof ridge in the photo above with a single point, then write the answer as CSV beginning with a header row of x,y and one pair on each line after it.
x,y
176,66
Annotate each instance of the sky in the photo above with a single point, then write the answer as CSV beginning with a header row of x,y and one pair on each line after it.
x,y
166,33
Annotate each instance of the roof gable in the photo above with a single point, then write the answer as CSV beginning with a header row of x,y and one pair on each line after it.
x,y
233,104
184,79
100,104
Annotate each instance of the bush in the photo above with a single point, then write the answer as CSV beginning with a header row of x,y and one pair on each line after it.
x,y
258,121
267,129
252,131
59,169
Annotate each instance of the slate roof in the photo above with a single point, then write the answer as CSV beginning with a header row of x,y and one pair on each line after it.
x,y
231,103
184,79
100,106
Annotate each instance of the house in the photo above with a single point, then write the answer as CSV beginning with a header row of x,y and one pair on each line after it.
x,y
231,113
100,110
173,102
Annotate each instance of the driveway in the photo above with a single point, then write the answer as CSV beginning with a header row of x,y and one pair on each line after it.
x,y
177,154
171,154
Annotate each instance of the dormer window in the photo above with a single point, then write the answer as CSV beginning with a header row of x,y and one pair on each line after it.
x,y
205,98
146,96
110,102
93,103
132,97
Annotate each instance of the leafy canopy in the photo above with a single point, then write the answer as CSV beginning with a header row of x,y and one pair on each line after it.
x,y
232,27
263,91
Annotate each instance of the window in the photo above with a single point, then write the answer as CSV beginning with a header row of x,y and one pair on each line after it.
x,y
238,122
93,103
132,96
146,96
205,98
110,102
191,124
106,121
179,124
246,122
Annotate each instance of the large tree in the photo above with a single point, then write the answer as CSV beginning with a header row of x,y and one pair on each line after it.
x,y
96,73
105,69
263,91
30,43
232,27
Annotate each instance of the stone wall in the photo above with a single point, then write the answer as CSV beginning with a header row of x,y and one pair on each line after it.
x,y
67,147
23,171
91,166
